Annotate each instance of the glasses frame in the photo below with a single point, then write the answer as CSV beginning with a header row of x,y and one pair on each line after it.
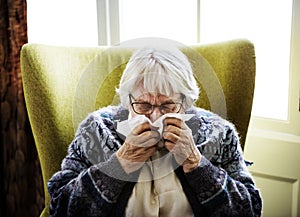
x,y
154,106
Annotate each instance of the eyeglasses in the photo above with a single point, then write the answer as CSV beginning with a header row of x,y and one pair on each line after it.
x,y
145,108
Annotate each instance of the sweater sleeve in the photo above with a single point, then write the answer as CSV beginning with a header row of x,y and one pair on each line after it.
x,y
222,182
91,178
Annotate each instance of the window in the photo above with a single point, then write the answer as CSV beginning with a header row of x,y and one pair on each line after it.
x,y
171,19
266,23
62,22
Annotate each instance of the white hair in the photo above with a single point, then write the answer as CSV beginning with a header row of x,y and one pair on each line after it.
x,y
164,71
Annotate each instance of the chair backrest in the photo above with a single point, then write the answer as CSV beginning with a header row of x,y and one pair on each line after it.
x,y
57,91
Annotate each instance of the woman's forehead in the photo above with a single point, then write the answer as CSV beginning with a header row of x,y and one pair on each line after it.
x,y
146,96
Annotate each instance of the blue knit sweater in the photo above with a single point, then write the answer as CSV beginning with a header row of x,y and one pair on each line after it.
x,y
92,182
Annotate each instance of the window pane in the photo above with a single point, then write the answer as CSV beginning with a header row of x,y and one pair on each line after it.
x,y
267,24
171,19
62,22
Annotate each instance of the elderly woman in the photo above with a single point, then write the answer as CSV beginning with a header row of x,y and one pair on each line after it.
x,y
174,160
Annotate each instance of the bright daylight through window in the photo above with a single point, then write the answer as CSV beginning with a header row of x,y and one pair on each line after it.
x,y
176,20
62,22
266,23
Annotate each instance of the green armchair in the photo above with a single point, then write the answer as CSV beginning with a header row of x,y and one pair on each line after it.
x,y
57,96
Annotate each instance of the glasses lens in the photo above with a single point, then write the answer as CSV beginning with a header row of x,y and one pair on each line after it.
x,y
142,108
170,108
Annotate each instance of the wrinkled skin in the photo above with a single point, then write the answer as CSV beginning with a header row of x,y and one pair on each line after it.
x,y
138,147
179,141
142,142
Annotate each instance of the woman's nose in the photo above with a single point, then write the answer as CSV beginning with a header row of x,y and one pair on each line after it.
x,y
155,114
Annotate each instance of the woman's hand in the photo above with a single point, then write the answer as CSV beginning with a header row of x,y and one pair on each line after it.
x,y
138,147
179,141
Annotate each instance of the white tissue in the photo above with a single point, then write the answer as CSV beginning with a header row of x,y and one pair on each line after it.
x,y
126,127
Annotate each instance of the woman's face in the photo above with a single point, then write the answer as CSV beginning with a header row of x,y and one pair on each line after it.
x,y
155,99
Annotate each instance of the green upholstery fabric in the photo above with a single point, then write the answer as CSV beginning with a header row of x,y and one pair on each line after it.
x,y
51,76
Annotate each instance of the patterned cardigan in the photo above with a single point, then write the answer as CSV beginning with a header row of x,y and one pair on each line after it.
x,y
92,182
